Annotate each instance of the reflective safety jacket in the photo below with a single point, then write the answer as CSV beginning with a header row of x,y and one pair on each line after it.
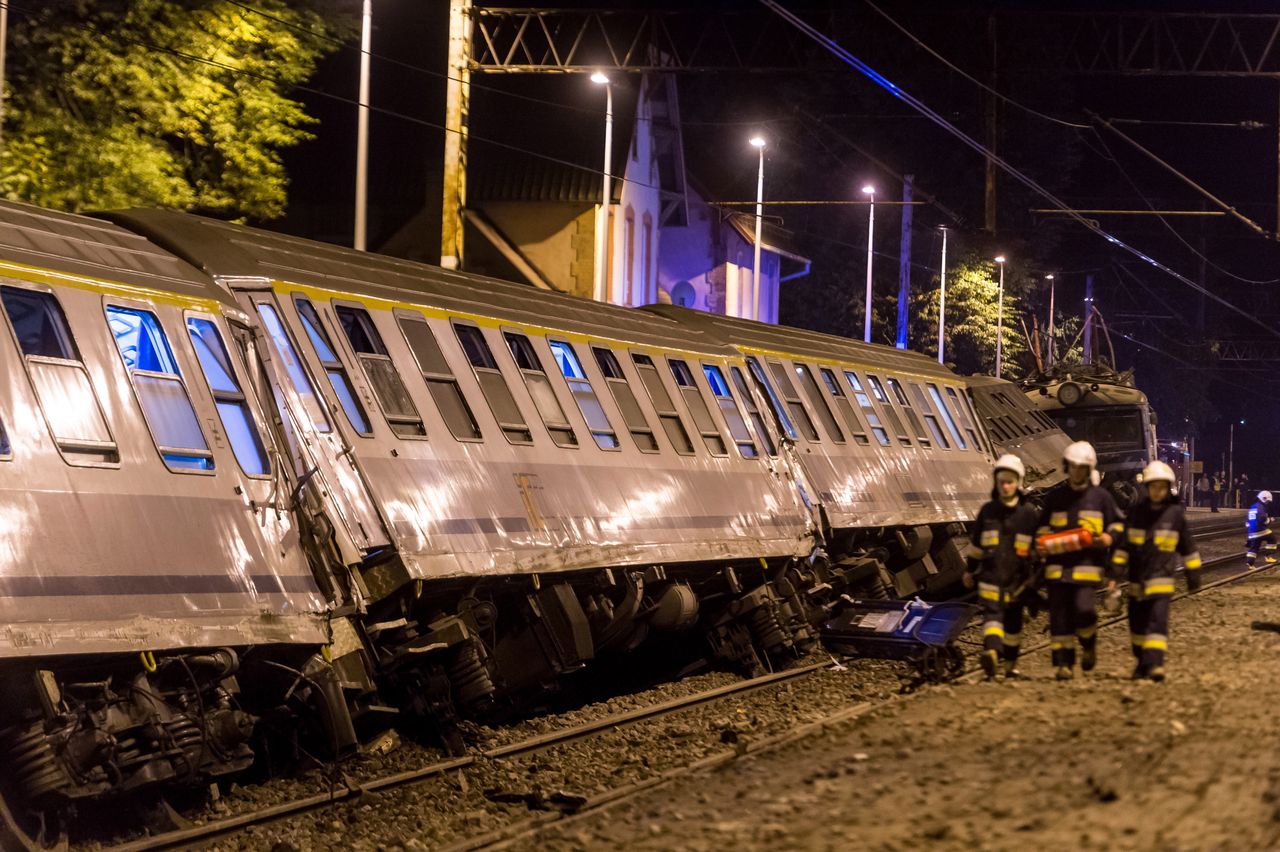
x,y
1154,536
1091,508
1001,547
1259,523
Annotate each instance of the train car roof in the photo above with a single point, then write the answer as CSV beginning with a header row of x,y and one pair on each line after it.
x,y
47,240
981,380
228,251
786,340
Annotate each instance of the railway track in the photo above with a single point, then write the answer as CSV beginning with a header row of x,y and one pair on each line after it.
x,y
530,828
349,791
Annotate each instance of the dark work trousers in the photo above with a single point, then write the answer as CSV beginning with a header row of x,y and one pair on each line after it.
x,y
1149,630
1264,544
1214,496
1072,616
1002,627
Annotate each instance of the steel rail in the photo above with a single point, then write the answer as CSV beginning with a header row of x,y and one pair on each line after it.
x,y
349,790
532,827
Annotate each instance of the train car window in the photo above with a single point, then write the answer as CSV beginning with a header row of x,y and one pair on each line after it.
x,y
333,367
795,407
6,449
762,381
228,397
293,366
931,418
663,404
58,375
961,419
868,409
625,397
380,370
828,418
753,410
539,386
729,410
877,390
588,403
492,384
912,414
697,406
441,383
846,408
158,385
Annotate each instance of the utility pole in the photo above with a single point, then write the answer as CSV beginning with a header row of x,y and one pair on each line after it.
x,y
904,263
362,129
457,105
942,298
1088,319
989,208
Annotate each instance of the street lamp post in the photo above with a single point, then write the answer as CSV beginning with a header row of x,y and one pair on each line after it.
x,y
942,296
871,228
1000,317
1051,288
606,194
1231,456
362,128
758,143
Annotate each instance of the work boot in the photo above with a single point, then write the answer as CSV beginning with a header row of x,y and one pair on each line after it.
x,y
1139,673
1157,674
1088,659
1011,670
1064,673
988,662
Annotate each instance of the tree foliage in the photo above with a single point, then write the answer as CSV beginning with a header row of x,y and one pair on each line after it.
x,y
171,103
972,312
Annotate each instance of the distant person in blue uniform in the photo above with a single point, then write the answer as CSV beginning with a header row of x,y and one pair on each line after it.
x,y
1258,534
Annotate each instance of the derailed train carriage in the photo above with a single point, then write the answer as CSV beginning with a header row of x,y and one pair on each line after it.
x,y
1015,425
246,448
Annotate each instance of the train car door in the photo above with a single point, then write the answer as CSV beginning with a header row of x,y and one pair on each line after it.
x,y
323,458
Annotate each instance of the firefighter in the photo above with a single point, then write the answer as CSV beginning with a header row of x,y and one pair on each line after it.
x,y
1076,529
1000,560
1155,535
1258,534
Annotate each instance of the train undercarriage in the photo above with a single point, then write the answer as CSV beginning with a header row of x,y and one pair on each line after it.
x,y
96,732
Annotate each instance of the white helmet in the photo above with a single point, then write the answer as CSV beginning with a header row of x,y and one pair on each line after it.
x,y
1158,471
1264,496
1011,463
1081,452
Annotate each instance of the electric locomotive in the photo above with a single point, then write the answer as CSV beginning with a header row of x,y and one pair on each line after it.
x,y
1097,404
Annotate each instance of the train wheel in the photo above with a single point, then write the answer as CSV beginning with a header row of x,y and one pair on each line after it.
x,y
27,835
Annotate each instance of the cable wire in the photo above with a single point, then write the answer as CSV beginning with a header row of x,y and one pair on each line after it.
x,y
888,85
988,89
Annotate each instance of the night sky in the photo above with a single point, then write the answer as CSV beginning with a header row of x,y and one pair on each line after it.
x,y
809,113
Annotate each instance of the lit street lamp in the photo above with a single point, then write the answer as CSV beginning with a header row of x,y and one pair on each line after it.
x,y
362,128
871,228
1000,316
758,143
942,295
1050,279
606,195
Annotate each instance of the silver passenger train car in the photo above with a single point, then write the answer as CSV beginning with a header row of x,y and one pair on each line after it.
x,y
1016,425
227,447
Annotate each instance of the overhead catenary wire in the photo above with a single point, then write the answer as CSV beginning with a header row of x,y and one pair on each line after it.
x,y
1110,156
896,91
1155,158
957,69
